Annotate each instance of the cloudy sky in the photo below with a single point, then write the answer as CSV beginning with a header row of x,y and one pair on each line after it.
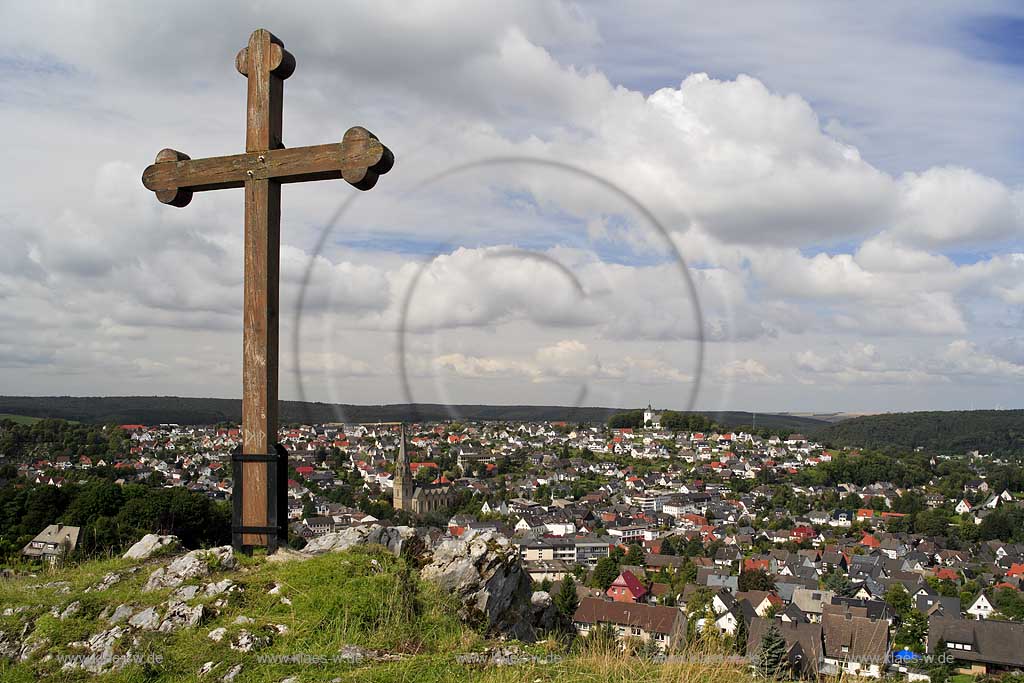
x,y
802,207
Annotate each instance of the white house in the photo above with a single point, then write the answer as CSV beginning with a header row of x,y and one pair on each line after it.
x,y
981,608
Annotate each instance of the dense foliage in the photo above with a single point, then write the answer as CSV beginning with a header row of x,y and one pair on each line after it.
x,y
862,470
955,432
630,419
687,422
51,438
111,516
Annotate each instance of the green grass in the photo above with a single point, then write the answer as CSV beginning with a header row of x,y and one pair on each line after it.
x,y
20,419
28,419
363,597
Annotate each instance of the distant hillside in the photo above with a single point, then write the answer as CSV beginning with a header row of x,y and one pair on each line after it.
x,y
952,432
172,409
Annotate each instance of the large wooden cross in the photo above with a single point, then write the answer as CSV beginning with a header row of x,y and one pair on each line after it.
x,y
359,159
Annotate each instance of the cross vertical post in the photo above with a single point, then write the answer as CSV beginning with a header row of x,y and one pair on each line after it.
x,y
266,64
260,470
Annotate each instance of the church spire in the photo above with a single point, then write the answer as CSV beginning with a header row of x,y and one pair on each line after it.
x,y
403,482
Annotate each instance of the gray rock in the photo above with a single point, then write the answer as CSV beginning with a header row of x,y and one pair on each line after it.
x,y
32,646
220,587
207,668
106,582
10,647
543,613
71,610
179,615
62,587
185,593
149,545
242,620
121,613
391,537
147,620
232,673
484,572
99,651
352,654
217,634
191,565
248,642
287,555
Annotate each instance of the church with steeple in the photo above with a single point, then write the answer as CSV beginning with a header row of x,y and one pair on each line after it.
x,y
408,495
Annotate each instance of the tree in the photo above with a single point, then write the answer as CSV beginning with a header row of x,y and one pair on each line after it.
x,y
913,631
932,522
425,475
840,584
771,660
686,422
605,573
630,419
95,499
566,601
755,580
542,493
635,556
1010,603
699,600
898,525
741,635
896,596
688,572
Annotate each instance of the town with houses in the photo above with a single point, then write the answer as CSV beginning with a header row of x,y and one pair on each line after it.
x,y
666,534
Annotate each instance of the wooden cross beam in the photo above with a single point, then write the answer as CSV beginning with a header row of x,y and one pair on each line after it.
x,y
359,159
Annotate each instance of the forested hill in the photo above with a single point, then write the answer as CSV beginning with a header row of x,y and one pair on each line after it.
x,y
170,409
952,432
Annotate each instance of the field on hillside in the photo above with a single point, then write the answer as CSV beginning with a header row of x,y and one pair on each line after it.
x,y
20,419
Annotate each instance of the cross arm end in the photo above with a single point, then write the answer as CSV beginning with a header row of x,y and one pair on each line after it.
x,y
176,196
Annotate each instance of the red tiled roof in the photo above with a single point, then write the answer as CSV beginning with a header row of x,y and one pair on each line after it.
x,y
629,581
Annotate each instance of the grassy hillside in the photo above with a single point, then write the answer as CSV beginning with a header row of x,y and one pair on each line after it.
x,y
172,409
20,419
951,432
363,597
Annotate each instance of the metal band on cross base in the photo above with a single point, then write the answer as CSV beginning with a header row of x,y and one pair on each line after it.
x,y
276,528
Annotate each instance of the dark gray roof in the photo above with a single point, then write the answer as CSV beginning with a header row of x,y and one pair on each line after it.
x,y
992,642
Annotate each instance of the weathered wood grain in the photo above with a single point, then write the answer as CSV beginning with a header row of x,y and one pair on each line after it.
x,y
359,158
355,159
260,344
262,247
